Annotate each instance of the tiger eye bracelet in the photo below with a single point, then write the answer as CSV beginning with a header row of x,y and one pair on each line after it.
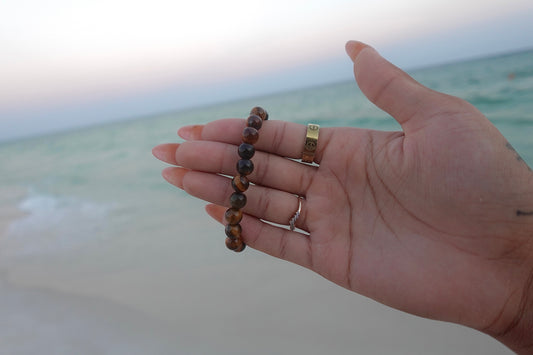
x,y
240,183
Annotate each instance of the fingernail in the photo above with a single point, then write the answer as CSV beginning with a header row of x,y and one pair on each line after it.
x,y
174,176
353,48
191,132
166,152
158,152
216,212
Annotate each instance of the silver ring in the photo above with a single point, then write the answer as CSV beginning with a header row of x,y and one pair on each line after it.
x,y
294,218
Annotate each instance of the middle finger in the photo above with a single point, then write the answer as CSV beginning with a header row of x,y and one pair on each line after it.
x,y
269,169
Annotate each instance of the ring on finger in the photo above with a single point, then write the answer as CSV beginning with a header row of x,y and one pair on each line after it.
x,y
292,221
311,142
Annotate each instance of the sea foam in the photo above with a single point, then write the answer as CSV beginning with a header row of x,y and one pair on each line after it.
x,y
53,224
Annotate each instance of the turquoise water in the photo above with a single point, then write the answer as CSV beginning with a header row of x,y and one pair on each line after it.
x,y
99,255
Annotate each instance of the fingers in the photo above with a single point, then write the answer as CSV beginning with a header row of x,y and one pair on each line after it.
x,y
281,243
282,138
264,203
269,170
390,88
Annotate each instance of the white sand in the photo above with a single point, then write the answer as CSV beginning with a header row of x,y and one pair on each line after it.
x,y
135,294
266,307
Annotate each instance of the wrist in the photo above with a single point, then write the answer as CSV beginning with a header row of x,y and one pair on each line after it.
x,y
514,325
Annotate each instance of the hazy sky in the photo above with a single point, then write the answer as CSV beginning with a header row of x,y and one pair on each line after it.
x,y
65,63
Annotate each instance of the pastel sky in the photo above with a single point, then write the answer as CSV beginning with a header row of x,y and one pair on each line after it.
x,y
68,63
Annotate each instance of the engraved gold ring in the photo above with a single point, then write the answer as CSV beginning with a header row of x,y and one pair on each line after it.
x,y
311,142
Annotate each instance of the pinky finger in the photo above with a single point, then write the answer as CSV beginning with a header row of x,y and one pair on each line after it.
x,y
279,242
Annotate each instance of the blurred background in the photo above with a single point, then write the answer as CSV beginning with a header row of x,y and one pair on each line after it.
x,y
70,63
98,255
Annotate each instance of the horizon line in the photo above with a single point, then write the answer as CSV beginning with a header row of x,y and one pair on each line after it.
x,y
214,103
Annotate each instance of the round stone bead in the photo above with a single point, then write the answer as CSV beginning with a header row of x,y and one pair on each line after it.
x,y
233,231
240,183
237,200
254,121
250,135
237,245
246,151
233,216
259,111
245,167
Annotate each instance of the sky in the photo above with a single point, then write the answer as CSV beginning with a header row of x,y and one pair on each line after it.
x,y
72,63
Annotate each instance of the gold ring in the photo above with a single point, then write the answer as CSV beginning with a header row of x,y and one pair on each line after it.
x,y
311,142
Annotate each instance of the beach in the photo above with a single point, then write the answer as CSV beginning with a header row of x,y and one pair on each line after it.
x,y
98,254
270,307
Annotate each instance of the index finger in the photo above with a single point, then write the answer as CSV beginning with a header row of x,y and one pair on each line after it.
x,y
282,138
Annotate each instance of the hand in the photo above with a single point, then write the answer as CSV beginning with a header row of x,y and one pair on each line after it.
x,y
435,220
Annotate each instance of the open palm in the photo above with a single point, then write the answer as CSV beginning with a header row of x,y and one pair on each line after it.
x,y
426,220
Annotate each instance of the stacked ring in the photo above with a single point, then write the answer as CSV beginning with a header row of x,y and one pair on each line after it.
x,y
240,183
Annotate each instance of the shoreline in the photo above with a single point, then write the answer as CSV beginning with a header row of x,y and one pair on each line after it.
x,y
9,214
9,208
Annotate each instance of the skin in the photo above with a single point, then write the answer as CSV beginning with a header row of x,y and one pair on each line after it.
x,y
435,220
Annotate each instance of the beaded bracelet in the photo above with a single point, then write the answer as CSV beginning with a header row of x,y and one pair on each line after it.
x,y
240,183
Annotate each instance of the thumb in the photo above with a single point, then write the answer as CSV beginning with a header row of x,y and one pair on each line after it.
x,y
389,87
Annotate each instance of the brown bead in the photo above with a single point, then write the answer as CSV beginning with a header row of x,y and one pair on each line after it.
x,y
250,135
259,111
245,167
237,245
237,200
233,216
240,183
233,231
246,151
254,121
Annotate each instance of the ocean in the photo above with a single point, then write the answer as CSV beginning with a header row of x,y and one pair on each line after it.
x,y
99,255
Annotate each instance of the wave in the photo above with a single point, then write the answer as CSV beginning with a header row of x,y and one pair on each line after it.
x,y
52,224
